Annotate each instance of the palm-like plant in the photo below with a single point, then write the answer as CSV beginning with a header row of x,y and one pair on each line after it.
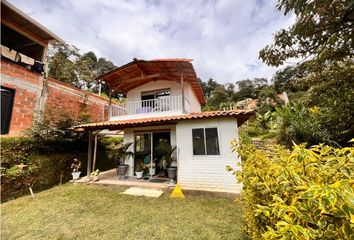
x,y
167,150
265,119
120,152
297,124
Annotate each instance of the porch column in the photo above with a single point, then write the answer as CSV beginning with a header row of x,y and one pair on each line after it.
x,y
89,155
182,84
95,152
110,104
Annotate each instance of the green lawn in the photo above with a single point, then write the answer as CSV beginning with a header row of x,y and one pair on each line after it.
x,y
93,212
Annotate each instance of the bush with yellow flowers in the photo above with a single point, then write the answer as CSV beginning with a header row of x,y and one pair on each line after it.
x,y
306,193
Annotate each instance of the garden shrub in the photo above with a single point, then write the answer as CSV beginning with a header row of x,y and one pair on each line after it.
x,y
43,158
298,123
306,193
47,165
15,151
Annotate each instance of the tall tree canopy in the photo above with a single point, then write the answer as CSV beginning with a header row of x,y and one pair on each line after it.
x,y
323,32
322,38
287,79
68,65
220,96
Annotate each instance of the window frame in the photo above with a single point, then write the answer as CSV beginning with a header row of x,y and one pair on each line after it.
x,y
156,92
6,130
205,141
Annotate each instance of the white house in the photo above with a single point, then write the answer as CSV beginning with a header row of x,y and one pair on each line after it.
x,y
163,103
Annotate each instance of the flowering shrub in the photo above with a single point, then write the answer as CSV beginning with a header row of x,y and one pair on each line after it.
x,y
298,194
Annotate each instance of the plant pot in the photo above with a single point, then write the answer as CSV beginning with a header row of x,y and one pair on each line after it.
x,y
139,174
152,171
76,175
171,173
121,171
162,173
95,178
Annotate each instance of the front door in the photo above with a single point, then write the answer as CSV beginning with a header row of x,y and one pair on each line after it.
x,y
146,148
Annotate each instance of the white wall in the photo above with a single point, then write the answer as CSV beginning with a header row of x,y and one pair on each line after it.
x,y
194,104
135,94
207,172
175,87
129,137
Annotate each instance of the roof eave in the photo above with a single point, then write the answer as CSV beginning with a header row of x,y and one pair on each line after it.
x,y
52,36
241,116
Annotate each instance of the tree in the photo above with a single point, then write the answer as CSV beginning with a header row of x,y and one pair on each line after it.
x,y
323,32
298,124
102,66
246,89
62,59
332,92
85,72
267,100
218,96
208,86
287,79
322,38
68,65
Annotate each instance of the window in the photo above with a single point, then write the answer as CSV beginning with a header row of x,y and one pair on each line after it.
x,y
198,141
156,99
205,141
155,94
211,141
7,102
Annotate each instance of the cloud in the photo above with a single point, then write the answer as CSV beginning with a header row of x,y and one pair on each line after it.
x,y
222,36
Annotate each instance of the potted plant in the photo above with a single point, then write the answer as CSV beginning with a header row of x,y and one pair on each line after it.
x,y
119,152
94,175
139,170
168,161
152,171
75,166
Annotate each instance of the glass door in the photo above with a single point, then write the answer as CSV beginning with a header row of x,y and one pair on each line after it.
x,y
146,147
160,139
142,156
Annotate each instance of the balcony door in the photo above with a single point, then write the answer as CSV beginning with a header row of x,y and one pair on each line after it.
x,y
153,100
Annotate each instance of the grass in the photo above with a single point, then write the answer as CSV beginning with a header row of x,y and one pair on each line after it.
x,y
99,212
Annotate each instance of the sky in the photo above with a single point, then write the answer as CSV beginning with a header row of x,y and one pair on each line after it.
x,y
223,37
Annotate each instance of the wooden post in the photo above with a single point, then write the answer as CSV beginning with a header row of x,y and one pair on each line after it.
x,y
182,84
110,104
99,88
89,155
94,153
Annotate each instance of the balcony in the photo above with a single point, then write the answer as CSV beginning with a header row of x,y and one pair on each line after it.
x,y
163,106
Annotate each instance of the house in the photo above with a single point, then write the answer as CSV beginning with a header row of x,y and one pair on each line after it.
x,y
26,91
163,104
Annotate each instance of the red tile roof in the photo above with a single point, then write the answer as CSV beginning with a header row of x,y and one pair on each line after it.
x,y
172,60
240,115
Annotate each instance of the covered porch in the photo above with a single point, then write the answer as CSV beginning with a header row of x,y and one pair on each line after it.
x,y
148,129
170,87
110,178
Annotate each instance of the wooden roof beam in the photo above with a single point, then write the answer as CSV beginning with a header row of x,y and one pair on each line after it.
x,y
141,78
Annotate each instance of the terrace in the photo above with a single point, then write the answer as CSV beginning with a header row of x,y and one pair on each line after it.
x,y
162,106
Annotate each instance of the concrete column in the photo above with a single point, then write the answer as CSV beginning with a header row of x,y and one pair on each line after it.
x,y
89,155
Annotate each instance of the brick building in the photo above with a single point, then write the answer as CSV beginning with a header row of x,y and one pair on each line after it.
x,y
25,90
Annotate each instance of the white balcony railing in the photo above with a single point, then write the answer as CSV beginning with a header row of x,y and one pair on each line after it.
x,y
159,105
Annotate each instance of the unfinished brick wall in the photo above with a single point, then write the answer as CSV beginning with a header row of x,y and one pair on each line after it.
x,y
64,96
32,91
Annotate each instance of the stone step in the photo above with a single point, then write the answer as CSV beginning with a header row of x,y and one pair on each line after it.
x,y
139,191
